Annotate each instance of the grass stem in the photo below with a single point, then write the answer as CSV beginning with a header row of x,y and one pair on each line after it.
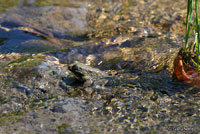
x,y
192,27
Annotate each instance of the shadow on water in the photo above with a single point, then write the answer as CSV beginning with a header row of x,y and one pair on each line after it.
x,y
25,27
162,83
135,61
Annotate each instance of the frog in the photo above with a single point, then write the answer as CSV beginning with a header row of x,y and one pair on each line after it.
x,y
87,74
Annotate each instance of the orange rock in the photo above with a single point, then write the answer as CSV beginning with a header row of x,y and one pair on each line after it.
x,y
183,72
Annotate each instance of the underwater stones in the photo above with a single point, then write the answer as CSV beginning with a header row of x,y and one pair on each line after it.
x,y
40,29
126,44
6,58
53,21
39,80
70,105
90,59
10,106
56,115
9,56
37,46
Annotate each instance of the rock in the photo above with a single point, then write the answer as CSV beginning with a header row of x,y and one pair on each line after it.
x,y
53,21
55,115
36,77
57,25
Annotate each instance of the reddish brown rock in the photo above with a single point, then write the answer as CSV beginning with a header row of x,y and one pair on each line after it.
x,y
185,73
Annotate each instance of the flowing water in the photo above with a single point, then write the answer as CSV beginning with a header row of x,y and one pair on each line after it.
x,y
136,40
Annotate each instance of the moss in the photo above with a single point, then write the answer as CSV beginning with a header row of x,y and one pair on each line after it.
x,y
41,104
5,84
2,101
10,117
19,60
115,60
2,40
7,118
36,49
131,82
112,62
7,4
155,45
62,126
58,50
61,3
29,61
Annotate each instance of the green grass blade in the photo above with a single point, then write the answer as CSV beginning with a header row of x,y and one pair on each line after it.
x,y
188,22
197,31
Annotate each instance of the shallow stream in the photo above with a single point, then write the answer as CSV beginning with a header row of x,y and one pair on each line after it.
x,y
135,41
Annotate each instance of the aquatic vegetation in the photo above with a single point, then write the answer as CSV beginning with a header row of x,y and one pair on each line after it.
x,y
61,3
187,62
29,61
7,4
192,48
62,126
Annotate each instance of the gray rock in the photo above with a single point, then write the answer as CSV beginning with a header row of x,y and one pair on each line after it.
x,y
53,21
40,81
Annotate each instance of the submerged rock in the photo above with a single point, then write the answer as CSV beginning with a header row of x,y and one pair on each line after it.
x,y
40,29
50,21
35,77
57,115
46,76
